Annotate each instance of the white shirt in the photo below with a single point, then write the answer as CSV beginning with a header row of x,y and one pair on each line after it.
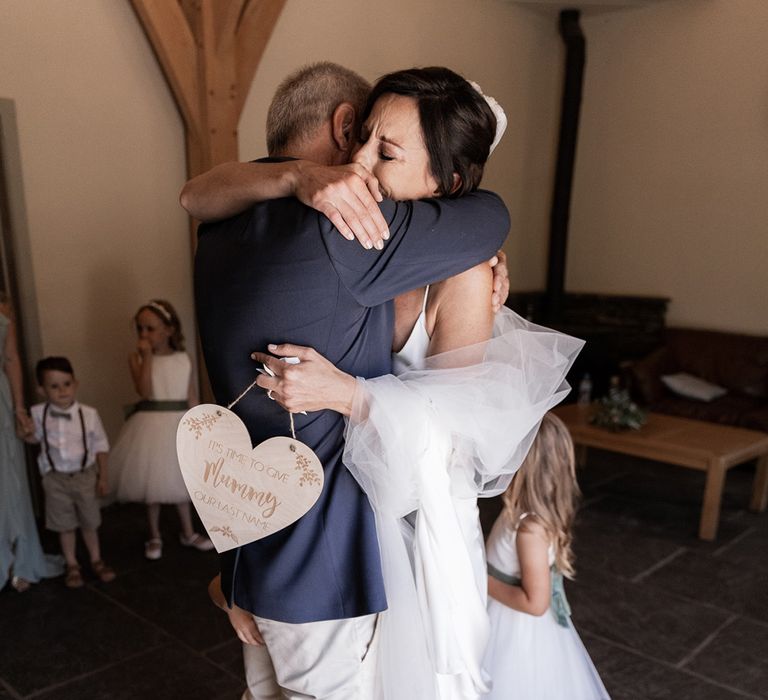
x,y
65,437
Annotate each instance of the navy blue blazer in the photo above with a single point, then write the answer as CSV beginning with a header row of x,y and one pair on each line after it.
x,y
281,273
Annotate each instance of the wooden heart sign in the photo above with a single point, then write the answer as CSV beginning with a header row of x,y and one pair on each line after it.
x,y
243,493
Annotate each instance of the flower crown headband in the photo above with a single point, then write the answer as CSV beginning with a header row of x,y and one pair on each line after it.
x,y
498,112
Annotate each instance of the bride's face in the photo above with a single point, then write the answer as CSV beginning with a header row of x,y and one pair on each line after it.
x,y
392,148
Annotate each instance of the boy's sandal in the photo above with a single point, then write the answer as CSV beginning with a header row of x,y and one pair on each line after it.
x,y
20,584
153,549
73,577
104,573
197,541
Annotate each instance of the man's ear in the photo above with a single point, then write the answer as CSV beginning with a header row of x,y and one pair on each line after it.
x,y
454,187
41,392
343,124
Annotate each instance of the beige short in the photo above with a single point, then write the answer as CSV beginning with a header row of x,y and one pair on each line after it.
x,y
71,500
331,659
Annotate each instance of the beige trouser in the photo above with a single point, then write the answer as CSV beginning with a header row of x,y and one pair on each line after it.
x,y
329,660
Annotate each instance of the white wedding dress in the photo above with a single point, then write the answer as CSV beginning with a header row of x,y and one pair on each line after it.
x,y
424,445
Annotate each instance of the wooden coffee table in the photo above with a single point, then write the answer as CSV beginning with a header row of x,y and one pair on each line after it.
x,y
709,447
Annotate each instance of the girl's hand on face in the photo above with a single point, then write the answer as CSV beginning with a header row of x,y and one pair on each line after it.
x,y
144,347
312,384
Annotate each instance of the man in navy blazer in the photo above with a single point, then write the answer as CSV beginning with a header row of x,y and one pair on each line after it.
x,y
279,272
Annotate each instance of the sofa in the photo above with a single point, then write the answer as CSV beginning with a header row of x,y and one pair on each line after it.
x,y
737,363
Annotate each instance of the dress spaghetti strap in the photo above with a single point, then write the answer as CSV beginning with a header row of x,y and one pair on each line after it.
x,y
424,302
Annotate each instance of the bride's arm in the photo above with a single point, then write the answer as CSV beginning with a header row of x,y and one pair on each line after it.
x,y
346,194
463,316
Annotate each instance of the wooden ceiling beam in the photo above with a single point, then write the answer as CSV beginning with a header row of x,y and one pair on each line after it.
x,y
209,51
227,20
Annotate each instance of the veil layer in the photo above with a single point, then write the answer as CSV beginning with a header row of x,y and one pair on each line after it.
x,y
455,428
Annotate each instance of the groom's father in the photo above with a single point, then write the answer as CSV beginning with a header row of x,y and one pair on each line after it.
x,y
281,273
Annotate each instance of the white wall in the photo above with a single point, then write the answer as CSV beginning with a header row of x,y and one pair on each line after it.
x,y
102,154
671,183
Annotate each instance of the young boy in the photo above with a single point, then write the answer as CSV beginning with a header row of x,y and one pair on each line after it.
x,y
73,463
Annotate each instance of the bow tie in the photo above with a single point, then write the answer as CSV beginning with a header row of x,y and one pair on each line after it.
x,y
59,414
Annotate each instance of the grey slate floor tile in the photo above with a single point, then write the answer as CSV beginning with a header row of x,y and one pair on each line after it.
x,y
644,618
164,672
628,676
737,656
51,634
735,587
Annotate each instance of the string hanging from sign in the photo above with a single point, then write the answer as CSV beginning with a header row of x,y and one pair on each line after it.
x,y
246,390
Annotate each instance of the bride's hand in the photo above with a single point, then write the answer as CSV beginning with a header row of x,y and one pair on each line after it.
x,y
312,384
348,196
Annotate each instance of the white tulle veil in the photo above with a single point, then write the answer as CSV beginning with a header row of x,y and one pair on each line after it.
x,y
457,427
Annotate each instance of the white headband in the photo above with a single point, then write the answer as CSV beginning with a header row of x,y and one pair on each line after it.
x,y
161,310
498,112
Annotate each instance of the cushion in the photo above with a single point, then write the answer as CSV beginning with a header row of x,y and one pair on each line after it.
x,y
692,387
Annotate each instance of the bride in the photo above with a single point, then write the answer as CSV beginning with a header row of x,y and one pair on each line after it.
x,y
458,416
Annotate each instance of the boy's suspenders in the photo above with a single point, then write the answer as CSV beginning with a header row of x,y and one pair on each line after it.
x,y
47,447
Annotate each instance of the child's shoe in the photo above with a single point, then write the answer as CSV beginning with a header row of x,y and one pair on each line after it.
x,y
153,549
197,541
73,577
104,573
20,584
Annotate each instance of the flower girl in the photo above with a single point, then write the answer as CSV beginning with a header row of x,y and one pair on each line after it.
x,y
144,462
534,651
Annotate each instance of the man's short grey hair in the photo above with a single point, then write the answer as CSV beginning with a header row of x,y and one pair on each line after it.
x,y
307,98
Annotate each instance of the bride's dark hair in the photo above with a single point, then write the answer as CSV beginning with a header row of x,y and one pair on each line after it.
x,y
456,121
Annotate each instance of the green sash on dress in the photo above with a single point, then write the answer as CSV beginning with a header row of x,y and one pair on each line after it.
x,y
559,603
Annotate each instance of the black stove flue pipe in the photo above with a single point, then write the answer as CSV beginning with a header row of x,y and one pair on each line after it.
x,y
575,58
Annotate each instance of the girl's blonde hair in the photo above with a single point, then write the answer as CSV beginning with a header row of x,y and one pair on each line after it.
x,y
546,486
167,314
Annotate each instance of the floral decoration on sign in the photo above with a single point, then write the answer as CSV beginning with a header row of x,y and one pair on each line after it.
x,y
197,425
225,530
308,476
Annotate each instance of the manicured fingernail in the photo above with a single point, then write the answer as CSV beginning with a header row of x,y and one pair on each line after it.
x,y
380,245
385,235
272,346
253,355
367,245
